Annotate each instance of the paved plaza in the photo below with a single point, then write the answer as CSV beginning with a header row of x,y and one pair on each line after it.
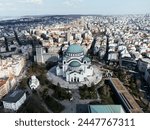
x,y
96,78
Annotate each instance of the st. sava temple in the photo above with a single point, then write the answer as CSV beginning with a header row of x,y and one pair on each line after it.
x,y
74,69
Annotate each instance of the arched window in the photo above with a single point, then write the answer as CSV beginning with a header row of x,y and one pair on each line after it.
x,y
85,62
71,79
75,79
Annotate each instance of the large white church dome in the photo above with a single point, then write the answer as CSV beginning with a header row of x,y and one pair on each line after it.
x,y
74,50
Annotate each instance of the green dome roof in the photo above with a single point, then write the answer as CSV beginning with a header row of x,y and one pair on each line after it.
x,y
74,64
87,59
74,48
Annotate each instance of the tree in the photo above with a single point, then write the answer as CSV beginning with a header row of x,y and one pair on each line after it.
x,y
92,88
44,93
24,83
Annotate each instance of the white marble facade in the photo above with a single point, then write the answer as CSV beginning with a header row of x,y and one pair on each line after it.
x,y
75,66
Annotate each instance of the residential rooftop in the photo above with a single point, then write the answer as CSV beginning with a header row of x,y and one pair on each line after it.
x,y
2,82
13,96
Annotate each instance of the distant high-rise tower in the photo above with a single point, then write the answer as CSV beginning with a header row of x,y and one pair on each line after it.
x,y
39,55
69,36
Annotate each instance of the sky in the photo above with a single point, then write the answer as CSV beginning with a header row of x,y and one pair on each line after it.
x,y
64,7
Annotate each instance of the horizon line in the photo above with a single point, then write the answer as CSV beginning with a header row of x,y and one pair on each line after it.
x,y
27,15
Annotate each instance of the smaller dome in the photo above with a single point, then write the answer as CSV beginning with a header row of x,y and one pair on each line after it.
x,y
33,77
87,59
74,64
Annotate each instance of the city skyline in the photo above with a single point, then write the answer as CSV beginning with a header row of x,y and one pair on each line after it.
x,y
65,7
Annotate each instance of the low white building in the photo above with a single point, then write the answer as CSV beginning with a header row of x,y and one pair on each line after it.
x,y
2,49
131,47
142,49
136,55
148,54
125,53
122,47
143,64
102,52
14,100
34,82
112,47
113,56
96,47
